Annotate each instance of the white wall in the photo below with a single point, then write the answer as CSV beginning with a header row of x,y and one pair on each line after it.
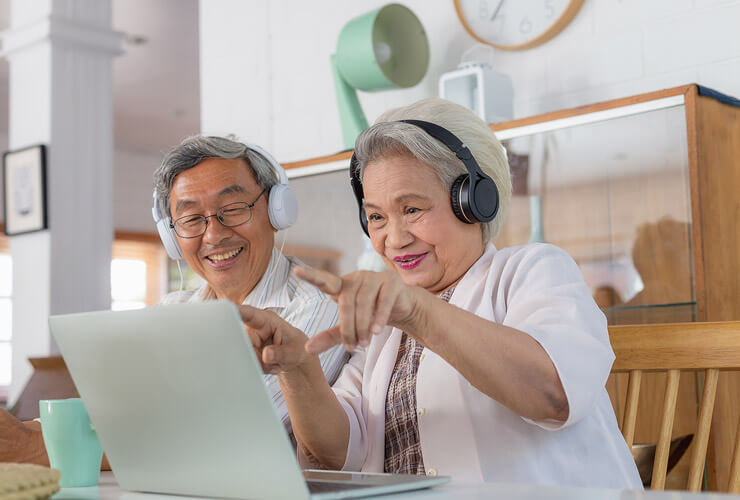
x,y
132,195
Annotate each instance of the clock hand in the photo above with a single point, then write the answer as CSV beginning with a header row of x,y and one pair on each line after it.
x,y
498,8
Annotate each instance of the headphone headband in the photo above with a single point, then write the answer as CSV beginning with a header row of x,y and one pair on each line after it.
x,y
474,196
279,170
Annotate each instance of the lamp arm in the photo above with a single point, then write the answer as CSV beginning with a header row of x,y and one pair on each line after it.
x,y
351,115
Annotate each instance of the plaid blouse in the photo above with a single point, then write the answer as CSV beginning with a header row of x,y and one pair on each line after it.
x,y
402,446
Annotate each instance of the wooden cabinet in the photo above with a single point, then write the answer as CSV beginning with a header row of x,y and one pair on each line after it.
x,y
644,193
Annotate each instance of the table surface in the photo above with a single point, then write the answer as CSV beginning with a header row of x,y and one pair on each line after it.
x,y
108,489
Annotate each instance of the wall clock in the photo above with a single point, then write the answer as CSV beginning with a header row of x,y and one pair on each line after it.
x,y
515,24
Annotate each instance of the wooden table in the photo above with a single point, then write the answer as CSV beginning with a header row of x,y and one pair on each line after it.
x,y
108,489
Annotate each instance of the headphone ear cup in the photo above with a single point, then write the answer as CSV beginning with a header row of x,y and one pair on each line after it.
x,y
169,240
282,206
458,198
363,222
357,190
483,200
166,233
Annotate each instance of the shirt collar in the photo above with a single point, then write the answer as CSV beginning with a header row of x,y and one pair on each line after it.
x,y
270,292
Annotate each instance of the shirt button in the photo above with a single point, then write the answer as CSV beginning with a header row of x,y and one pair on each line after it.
x,y
432,472
420,412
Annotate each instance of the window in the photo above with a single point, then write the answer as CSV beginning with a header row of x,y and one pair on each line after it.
x,y
6,316
128,284
138,271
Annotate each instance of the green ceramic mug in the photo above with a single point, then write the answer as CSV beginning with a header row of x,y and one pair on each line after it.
x,y
71,442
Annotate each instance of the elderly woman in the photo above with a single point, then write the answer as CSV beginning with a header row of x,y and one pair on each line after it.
x,y
469,361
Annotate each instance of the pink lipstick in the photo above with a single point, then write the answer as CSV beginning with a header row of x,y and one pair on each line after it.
x,y
407,262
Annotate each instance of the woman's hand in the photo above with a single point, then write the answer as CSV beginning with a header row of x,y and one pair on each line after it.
x,y
279,345
367,300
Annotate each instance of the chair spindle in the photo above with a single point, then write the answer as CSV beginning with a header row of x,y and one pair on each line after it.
x,y
630,409
734,486
660,465
701,437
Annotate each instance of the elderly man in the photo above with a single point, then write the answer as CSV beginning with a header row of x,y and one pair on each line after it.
x,y
223,202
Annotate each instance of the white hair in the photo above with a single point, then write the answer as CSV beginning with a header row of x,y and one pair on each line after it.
x,y
388,136
193,150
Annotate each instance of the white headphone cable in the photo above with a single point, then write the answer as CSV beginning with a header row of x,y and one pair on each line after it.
x,y
285,237
179,268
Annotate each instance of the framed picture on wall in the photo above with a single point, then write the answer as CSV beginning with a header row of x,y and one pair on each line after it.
x,y
24,190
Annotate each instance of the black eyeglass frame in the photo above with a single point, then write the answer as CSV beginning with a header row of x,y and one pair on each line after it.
x,y
218,215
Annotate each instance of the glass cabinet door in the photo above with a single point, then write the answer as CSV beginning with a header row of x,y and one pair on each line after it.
x,y
614,194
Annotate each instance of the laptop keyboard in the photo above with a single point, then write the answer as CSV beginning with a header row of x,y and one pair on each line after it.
x,y
326,487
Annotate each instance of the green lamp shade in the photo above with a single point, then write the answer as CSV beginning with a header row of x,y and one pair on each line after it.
x,y
383,49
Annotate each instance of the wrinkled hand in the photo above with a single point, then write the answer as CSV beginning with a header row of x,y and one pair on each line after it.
x,y
278,344
20,443
367,300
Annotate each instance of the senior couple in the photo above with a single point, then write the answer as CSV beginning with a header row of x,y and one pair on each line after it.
x,y
466,360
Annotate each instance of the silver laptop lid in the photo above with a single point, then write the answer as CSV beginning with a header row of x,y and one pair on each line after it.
x,y
177,397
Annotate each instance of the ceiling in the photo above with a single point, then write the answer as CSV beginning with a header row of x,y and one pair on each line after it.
x,y
155,82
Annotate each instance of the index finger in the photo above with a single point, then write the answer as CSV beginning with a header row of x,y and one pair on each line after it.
x,y
258,325
253,317
323,280
324,340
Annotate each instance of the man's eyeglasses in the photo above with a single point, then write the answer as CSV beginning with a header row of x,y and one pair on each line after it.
x,y
233,214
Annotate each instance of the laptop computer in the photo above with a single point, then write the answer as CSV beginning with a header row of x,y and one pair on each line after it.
x,y
177,396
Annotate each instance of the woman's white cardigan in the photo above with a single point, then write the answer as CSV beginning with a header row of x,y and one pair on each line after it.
x,y
539,290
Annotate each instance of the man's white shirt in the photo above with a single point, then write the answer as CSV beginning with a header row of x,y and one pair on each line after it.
x,y
297,302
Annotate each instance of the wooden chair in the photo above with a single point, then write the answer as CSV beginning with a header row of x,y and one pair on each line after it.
x,y
708,347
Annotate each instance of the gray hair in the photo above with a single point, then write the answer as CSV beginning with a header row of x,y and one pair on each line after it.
x,y
389,137
193,150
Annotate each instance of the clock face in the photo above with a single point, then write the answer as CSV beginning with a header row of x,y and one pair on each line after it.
x,y
516,24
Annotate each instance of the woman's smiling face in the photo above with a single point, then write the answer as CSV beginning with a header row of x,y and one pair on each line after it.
x,y
412,226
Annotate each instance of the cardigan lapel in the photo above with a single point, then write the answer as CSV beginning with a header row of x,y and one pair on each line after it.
x,y
376,393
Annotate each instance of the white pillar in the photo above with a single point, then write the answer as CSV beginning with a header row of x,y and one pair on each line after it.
x,y
60,56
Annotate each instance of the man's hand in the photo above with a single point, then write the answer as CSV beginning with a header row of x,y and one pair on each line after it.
x,y
278,344
21,442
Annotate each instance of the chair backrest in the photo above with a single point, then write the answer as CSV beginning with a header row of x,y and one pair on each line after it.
x,y
672,348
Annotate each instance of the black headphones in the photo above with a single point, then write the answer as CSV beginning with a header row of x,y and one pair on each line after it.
x,y
474,196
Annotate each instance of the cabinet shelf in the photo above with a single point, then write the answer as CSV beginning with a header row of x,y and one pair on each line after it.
x,y
648,307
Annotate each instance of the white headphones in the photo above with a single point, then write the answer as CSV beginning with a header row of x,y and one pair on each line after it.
x,y
282,207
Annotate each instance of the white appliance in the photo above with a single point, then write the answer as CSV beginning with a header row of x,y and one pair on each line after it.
x,y
486,92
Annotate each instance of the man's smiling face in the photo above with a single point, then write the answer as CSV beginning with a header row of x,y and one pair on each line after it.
x,y
231,259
